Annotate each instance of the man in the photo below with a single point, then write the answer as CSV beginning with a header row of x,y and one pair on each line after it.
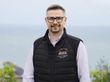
x,y
57,56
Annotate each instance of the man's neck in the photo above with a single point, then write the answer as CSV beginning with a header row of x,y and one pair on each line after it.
x,y
55,36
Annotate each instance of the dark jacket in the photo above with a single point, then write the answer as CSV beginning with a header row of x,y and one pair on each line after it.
x,y
56,64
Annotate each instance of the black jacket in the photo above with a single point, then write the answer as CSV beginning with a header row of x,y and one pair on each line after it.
x,y
56,64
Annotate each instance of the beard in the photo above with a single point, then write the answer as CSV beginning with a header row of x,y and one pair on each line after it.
x,y
55,28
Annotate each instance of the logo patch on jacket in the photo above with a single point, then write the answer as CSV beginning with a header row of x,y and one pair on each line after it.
x,y
62,53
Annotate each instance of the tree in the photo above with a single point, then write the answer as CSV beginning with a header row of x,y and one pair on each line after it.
x,y
7,73
101,73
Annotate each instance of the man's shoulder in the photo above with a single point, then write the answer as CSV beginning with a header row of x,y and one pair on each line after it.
x,y
70,37
38,40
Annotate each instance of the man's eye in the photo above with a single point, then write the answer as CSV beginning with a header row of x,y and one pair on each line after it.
x,y
59,17
51,18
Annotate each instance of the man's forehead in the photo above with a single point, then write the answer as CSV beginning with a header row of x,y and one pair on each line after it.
x,y
55,13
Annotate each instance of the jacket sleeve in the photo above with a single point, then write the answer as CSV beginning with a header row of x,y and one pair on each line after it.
x,y
82,64
28,69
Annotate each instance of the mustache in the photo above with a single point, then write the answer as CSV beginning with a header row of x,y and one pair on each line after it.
x,y
55,25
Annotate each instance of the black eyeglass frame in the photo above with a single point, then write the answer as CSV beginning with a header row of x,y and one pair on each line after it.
x,y
52,19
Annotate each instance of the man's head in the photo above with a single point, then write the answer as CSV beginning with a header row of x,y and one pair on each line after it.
x,y
55,18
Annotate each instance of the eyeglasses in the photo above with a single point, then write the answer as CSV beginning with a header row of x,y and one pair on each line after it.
x,y
52,19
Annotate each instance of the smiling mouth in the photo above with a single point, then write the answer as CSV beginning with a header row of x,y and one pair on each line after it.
x,y
55,25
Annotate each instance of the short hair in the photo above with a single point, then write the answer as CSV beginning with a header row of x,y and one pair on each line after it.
x,y
55,7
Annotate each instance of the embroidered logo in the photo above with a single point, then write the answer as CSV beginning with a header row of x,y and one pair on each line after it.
x,y
62,52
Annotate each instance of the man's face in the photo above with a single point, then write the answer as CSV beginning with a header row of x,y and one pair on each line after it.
x,y
55,20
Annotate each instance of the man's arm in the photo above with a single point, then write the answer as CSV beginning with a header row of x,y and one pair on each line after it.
x,y
82,63
28,69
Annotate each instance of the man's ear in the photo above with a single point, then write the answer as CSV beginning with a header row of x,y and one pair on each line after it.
x,y
65,19
45,19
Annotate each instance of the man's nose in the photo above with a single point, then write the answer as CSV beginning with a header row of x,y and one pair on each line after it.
x,y
55,21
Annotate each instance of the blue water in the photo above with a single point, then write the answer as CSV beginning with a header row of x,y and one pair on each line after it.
x,y
16,42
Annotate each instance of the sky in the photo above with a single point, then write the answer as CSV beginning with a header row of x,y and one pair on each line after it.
x,y
32,12
27,13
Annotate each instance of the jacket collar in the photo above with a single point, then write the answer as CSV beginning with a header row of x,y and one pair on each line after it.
x,y
47,38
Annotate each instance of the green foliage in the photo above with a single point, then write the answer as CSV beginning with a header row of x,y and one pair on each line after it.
x,y
7,73
100,74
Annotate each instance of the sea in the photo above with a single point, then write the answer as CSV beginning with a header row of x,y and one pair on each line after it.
x,y
16,42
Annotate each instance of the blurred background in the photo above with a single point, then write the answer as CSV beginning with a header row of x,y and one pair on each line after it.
x,y
22,22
